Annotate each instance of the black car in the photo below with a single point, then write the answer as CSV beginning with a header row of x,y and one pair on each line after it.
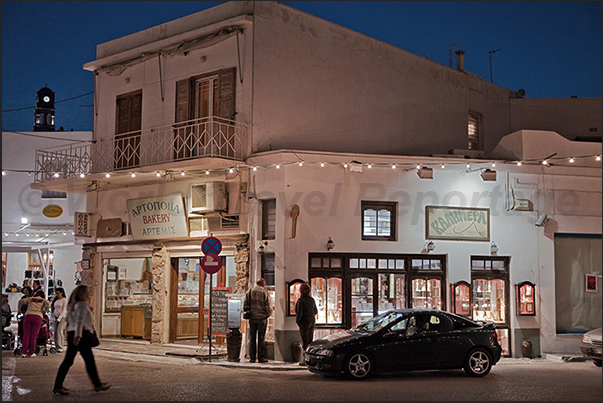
x,y
407,339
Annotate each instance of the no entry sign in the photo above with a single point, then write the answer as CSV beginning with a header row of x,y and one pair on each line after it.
x,y
211,263
211,245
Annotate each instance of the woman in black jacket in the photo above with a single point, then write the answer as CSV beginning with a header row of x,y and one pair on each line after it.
x,y
305,315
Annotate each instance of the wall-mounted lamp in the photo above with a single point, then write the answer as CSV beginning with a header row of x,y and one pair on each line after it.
x,y
430,246
330,244
262,247
493,249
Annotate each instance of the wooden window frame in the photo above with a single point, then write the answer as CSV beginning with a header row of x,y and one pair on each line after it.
x,y
392,207
268,227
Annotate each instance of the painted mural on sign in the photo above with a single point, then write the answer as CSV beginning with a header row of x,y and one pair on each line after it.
x,y
457,223
158,217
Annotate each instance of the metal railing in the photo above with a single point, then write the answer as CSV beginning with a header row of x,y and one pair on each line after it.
x,y
206,137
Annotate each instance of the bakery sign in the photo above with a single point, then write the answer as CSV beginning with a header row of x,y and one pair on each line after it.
x,y
457,223
158,217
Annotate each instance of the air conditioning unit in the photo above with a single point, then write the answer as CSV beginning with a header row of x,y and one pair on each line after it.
x,y
205,197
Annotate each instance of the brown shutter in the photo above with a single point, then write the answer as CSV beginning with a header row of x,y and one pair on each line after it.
x,y
183,91
227,94
129,112
136,112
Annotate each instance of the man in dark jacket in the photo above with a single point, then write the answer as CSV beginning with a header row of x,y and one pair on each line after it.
x,y
257,300
305,315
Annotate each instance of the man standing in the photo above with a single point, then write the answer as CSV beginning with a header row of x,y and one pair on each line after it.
x,y
257,300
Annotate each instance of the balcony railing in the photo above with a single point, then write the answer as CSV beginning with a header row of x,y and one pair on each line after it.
x,y
206,137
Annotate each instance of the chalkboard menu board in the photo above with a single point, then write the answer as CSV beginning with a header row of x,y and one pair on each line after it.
x,y
219,312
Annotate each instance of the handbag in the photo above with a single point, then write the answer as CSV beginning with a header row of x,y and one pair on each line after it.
x,y
89,338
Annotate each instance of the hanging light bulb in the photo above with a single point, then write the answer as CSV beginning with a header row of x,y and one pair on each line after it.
x,y
443,166
493,164
82,175
598,158
182,173
158,174
468,165
107,175
369,166
255,168
278,166
301,163
56,175
207,172
345,165
518,163
393,166
133,175
571,160
322,164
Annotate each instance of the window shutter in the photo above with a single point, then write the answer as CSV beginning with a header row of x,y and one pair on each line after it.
x,y
136,112
269,219
123,114
227,94
183,89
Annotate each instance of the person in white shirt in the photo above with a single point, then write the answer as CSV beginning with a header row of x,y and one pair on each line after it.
x,y
79,320
58,308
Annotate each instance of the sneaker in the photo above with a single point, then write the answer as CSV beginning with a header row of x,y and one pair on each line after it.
x,y
33,355
24,356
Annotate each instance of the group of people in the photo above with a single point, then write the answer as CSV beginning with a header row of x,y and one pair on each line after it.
x,y
34,306
72,316
257,300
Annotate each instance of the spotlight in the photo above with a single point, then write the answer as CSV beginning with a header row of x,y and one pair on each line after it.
x,y
489,175
425,173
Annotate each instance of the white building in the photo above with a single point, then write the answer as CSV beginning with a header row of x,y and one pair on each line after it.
x,y
37,226
219,124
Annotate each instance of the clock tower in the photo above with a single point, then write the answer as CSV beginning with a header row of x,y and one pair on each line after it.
x,y
44,111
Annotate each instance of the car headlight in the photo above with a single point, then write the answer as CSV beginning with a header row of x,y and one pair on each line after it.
x,y
586,339
324,352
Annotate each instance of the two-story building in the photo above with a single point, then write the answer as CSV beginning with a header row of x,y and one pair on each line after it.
x,y
315,153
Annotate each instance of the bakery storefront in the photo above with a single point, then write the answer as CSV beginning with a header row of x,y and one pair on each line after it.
x,y
158,279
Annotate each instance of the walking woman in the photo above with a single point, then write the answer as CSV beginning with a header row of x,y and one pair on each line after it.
x,y
58,308
37,306
79,317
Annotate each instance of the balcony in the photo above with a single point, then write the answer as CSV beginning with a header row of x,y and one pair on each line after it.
x,y
144,150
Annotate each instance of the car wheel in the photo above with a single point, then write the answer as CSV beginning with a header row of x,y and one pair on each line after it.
x,y
478,362
597,362
358,365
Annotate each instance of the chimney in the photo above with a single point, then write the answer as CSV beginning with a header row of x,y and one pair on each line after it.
x,y
460,60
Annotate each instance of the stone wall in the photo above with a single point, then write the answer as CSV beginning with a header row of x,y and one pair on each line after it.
x,y
241,259
160,261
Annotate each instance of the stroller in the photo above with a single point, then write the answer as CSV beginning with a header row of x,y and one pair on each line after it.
x,y
7,333
45,338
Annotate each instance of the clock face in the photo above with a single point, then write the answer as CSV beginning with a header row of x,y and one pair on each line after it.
x,y
46,98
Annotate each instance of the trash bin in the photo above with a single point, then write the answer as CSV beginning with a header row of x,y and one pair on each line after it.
x,y
233,344
296,351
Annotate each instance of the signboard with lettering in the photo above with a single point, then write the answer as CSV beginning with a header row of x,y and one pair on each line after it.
x,y
158,217
457,223
219,311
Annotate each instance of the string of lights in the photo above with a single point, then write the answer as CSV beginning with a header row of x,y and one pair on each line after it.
x,y
442,164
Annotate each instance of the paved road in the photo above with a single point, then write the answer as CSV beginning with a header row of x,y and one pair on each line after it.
x,y
146,378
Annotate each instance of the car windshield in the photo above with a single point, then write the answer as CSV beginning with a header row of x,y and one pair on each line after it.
x,y
378,322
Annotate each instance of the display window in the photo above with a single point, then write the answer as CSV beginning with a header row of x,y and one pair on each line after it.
x,y
490,294
461,298
373,284
327,293
127,281
525,294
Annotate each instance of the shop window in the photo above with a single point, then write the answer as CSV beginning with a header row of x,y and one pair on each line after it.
x,y
269,219
362,300
474,135
525,294
268,268
379,221
461,298
327,294
426,293
293,295
392,292
128,281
